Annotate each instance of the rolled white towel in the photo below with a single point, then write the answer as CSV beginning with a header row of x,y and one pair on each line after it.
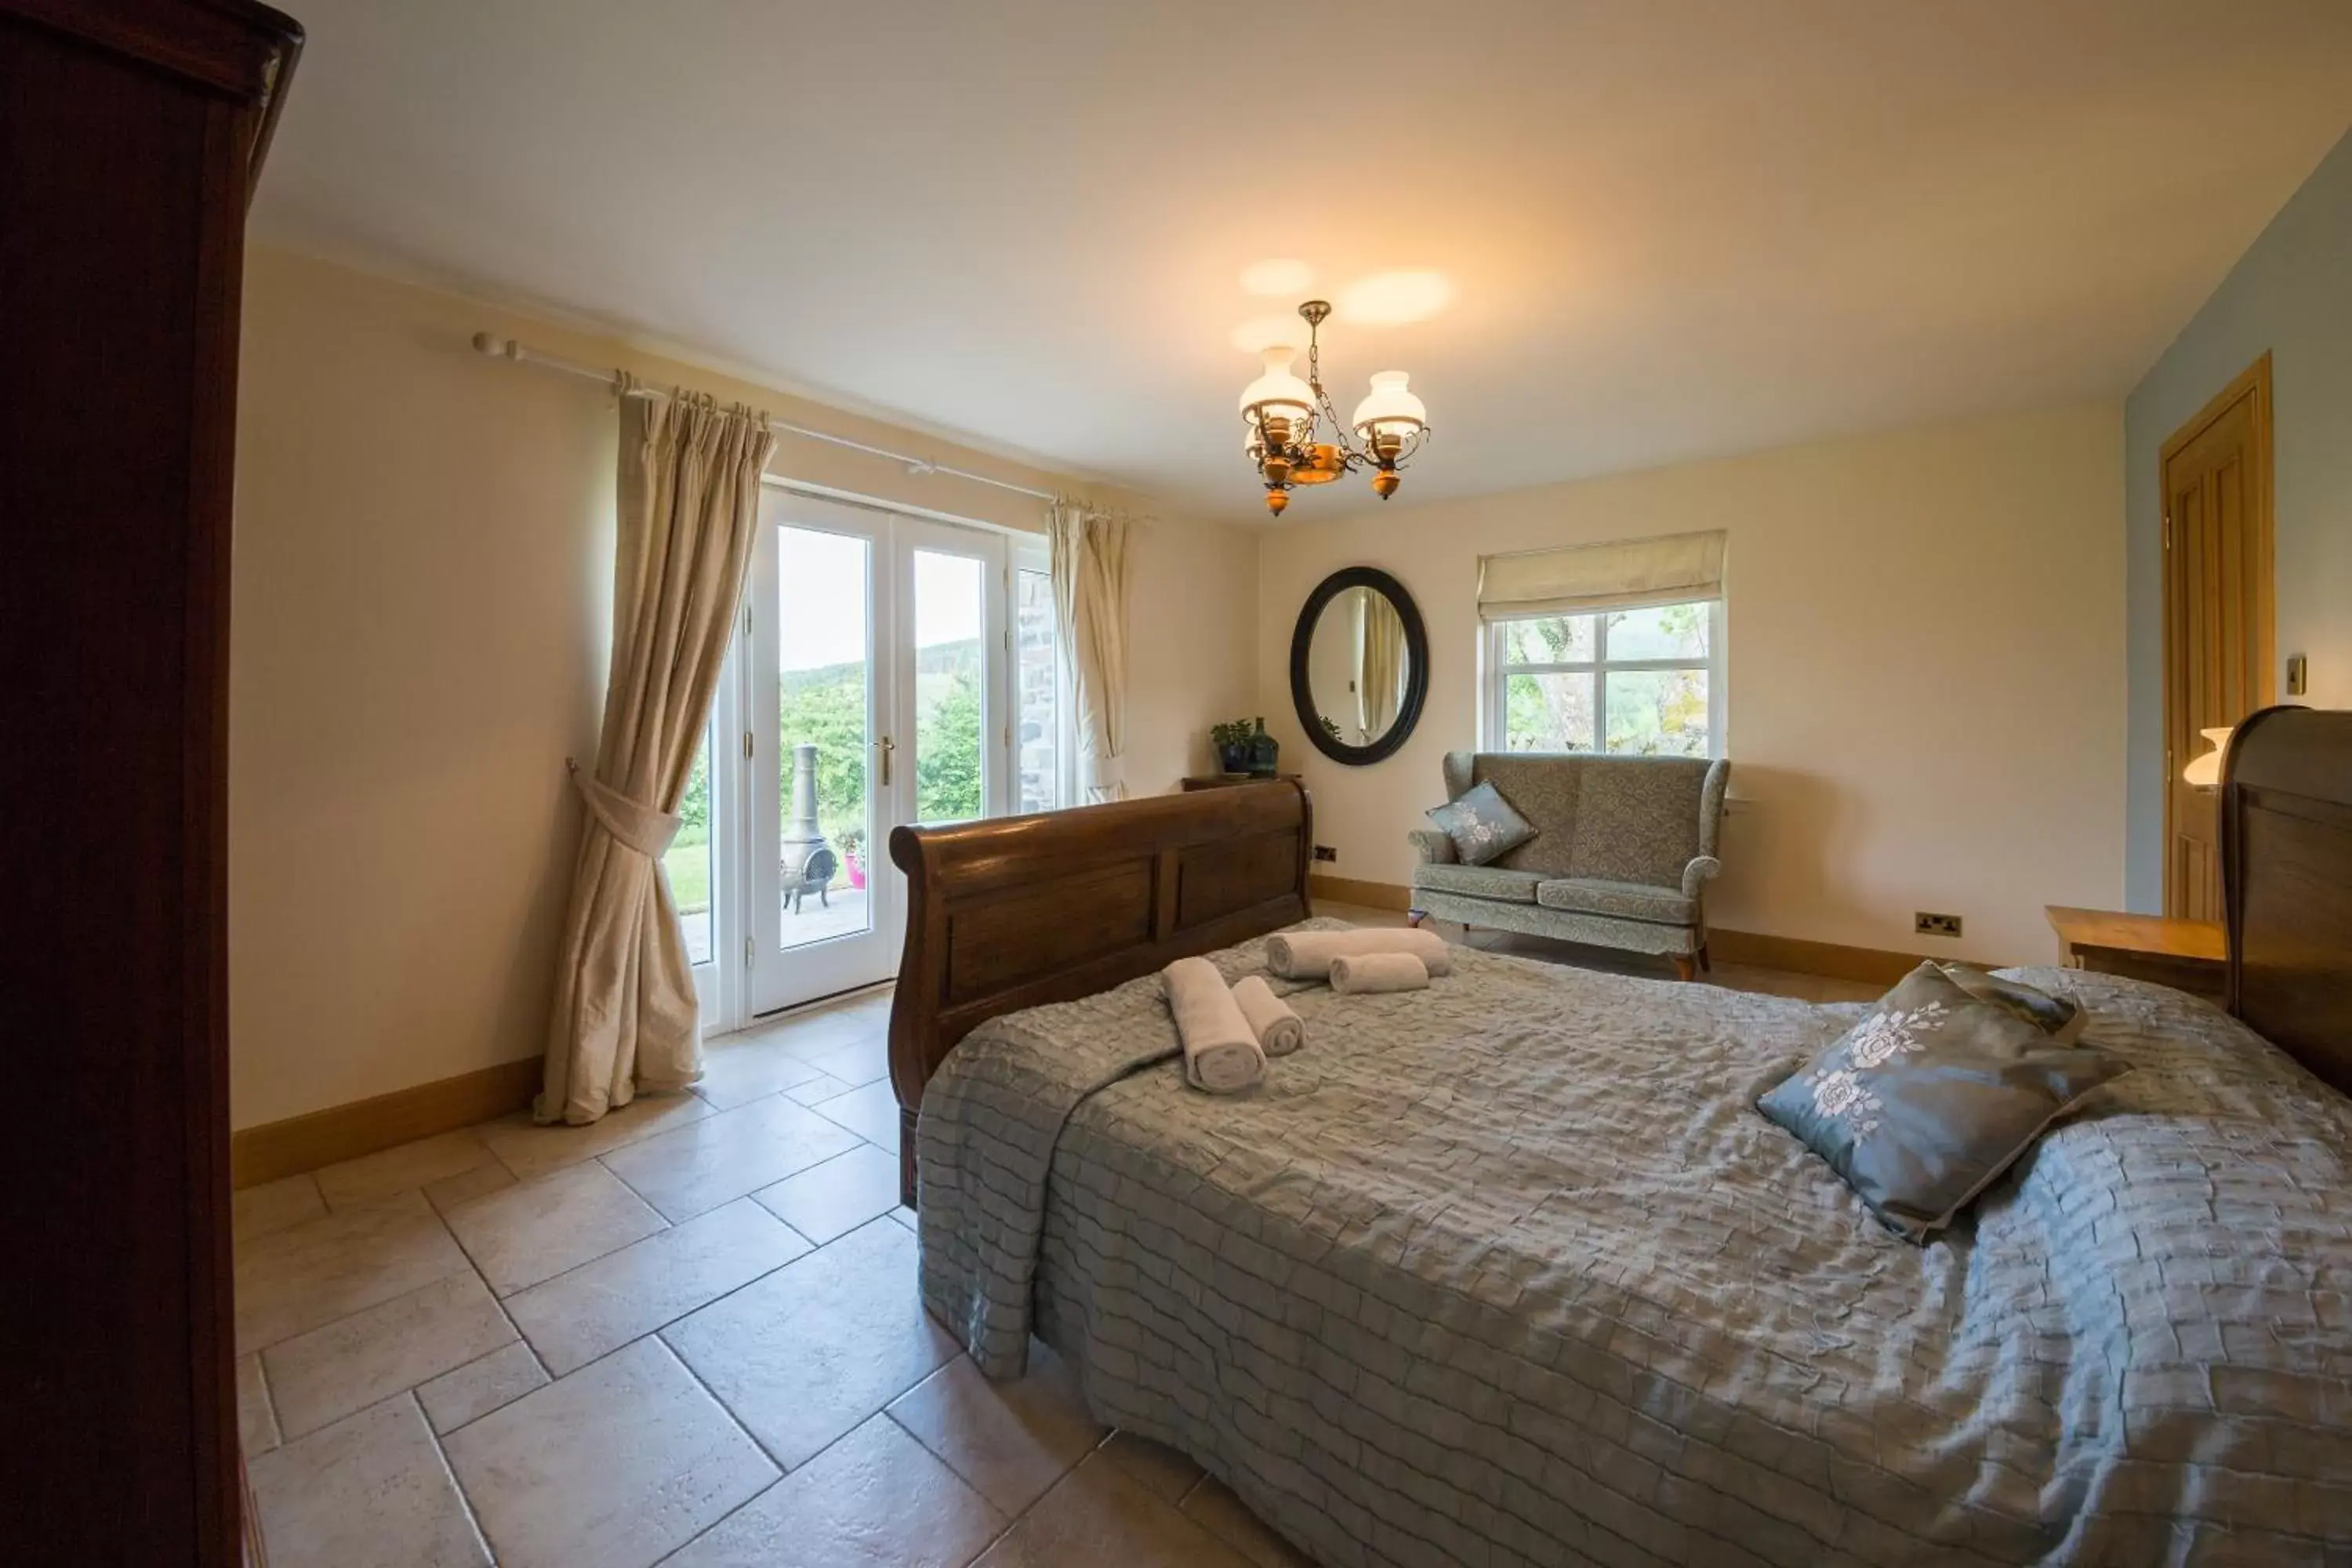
x,y
1308,955
1371,974
1279,1030
1221,1053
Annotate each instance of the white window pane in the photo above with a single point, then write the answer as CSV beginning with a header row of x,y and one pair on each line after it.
x,y
1549,713
687,861
1548,639
1662,631
1038,730
948,617
823,683
1657,712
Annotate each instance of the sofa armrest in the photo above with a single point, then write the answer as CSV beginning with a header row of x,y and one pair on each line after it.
x,y
1435,847
1700,869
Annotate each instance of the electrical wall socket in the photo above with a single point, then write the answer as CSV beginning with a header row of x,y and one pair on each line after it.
x,y
1325,852
1927,924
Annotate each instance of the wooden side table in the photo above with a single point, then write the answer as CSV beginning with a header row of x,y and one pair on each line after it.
x,y
2187,955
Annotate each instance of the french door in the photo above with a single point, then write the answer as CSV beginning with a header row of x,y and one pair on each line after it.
x,y
871,688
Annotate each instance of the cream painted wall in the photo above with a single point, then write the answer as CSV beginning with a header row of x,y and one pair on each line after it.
x,y
1926,635
421,608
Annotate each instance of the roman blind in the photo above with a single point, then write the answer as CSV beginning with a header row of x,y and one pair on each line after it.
x,y
1671,570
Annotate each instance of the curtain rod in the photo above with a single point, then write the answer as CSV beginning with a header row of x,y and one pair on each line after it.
x,y
508,348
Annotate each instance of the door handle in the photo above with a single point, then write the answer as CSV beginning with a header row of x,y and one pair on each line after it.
x,y
888,746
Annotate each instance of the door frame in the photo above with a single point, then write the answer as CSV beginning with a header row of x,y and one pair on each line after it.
x,y
2251,383
738,882
760,907
721,988
993,550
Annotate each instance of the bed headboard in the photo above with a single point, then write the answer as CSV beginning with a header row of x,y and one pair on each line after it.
x,y
1022,911
2286,875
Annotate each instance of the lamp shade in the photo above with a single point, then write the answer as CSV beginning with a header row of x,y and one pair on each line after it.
x,y
2204,771
1389,407
1278,393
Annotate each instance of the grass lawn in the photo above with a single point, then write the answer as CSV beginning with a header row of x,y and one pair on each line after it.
x,y
688,863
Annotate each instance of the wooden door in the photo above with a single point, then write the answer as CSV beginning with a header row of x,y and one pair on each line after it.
x,y
2218,634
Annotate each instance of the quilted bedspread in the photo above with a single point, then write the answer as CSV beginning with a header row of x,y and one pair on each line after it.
x,y
1509,1271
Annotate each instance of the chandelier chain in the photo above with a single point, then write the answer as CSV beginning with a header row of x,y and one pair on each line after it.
x,y
1348,457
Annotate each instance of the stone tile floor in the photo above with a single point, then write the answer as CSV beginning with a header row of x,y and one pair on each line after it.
x,y
686,1335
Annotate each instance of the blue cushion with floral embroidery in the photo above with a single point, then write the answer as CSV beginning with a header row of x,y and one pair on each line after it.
x,y
1482,826
1922,1105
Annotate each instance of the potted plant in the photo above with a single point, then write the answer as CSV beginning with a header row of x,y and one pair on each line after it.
x,y
1234,744
853,840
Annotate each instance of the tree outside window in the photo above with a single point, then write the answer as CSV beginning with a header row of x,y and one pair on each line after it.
x,y
1635,682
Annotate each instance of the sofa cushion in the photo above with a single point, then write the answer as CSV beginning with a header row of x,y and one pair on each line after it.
x,y
1627,900
1479,882
1637,819
1543,788
1482,824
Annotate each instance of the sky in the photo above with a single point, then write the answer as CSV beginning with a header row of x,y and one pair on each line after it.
x,y
823,590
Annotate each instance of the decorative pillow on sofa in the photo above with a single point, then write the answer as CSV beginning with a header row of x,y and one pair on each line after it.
x,y
1482,824
2056,1017
1923,1104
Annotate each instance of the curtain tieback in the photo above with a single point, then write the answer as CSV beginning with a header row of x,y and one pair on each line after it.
x,y
632,823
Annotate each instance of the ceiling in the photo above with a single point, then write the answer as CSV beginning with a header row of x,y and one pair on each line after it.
x,y
1672,230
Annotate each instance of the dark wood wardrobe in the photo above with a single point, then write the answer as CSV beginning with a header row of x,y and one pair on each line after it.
x,y
131,133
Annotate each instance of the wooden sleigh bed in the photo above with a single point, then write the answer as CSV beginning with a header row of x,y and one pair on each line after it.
x,y
1510,1270
1023,911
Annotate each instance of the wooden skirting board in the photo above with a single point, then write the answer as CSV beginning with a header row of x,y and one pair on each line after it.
x,y
1869,965
300,1143
1365,895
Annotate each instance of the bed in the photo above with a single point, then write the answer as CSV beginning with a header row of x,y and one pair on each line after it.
x,y
1509,1271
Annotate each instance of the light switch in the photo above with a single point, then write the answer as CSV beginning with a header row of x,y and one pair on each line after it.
x,y
2297,681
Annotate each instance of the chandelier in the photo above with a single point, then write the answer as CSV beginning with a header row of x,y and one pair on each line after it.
x,y
1282,412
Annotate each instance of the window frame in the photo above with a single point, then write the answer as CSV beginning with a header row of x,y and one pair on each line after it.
x,y
1495,672
1035,555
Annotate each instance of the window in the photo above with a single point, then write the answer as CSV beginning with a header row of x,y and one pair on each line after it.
x,y
688,859
1037,747
1037,696
1646,682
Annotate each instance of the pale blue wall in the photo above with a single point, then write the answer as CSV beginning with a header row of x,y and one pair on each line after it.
x,y
2291,294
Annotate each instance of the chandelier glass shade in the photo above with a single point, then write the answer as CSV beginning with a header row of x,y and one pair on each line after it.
x,y
1389,409
1279,394
1281,413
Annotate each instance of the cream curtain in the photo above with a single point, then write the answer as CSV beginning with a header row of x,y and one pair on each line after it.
x,y
1578,581
689,492
1380,663
1090,600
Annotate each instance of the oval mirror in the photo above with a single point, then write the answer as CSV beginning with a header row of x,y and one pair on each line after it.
x,y
1358,666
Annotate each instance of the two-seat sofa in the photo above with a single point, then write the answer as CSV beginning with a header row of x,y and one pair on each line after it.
x,y
1622,847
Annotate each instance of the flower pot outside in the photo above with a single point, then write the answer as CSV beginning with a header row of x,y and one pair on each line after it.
x,y
857,869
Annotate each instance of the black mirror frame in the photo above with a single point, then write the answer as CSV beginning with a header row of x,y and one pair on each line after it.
x,y
1416,680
